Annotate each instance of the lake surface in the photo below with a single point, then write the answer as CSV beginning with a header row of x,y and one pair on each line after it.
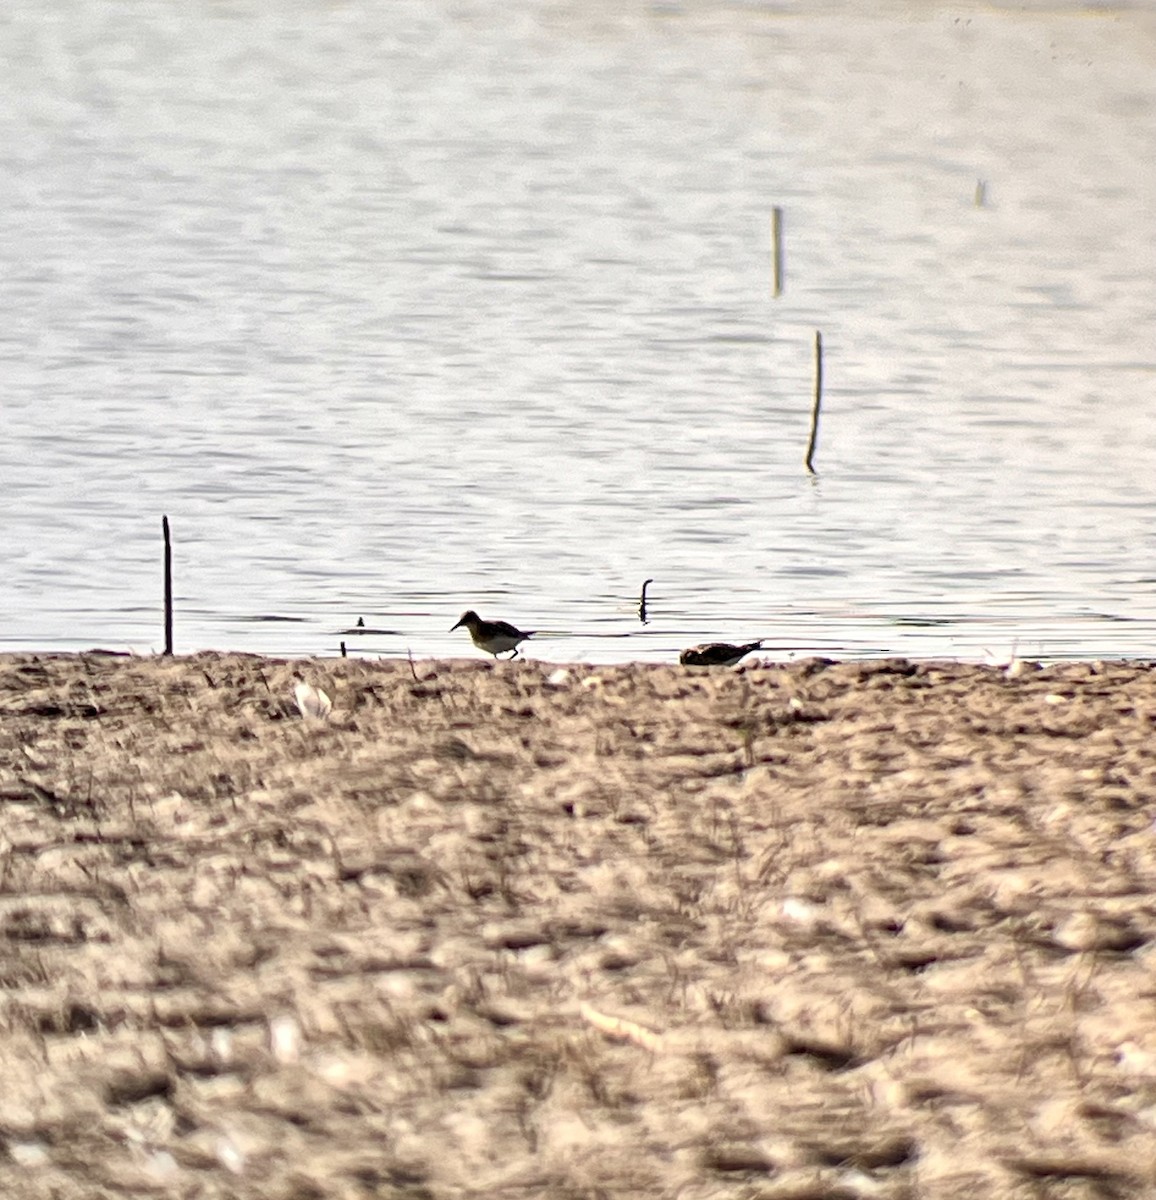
x,y
399,309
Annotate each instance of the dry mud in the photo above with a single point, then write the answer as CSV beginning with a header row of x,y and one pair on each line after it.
x,y
819,931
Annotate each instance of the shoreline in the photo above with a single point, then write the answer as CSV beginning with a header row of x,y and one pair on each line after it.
x,y
763,660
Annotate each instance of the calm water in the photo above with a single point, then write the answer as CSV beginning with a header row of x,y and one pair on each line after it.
x,y
400,308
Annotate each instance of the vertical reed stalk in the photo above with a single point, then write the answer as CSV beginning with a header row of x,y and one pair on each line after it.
x,y
818,402
168,586
777,248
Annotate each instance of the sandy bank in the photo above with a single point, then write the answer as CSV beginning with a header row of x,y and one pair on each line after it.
x,y
869,929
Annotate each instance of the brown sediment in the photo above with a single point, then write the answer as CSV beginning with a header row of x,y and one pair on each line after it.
x,y
863,929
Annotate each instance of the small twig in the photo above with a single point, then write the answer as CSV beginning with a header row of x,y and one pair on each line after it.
x,y
412,668
642,601
818,403
343,651
777,249
168,586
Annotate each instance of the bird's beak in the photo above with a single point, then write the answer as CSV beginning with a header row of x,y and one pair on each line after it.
x,y
457,626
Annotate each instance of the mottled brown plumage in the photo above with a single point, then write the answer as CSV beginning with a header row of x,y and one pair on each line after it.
x,y
494,637
716,654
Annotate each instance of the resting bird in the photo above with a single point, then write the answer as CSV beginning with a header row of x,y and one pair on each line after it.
x,y
716,654
494,637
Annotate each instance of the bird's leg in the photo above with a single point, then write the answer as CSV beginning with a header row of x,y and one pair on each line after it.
x,y
513,656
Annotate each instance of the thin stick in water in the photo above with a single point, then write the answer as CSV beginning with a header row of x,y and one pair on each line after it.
x,y
777,248
642,601
168,586
818,402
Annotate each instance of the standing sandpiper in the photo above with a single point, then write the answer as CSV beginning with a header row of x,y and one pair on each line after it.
x,y
716,654
494,637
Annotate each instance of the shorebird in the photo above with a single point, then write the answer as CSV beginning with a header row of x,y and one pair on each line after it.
x,y
716,654
494,637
